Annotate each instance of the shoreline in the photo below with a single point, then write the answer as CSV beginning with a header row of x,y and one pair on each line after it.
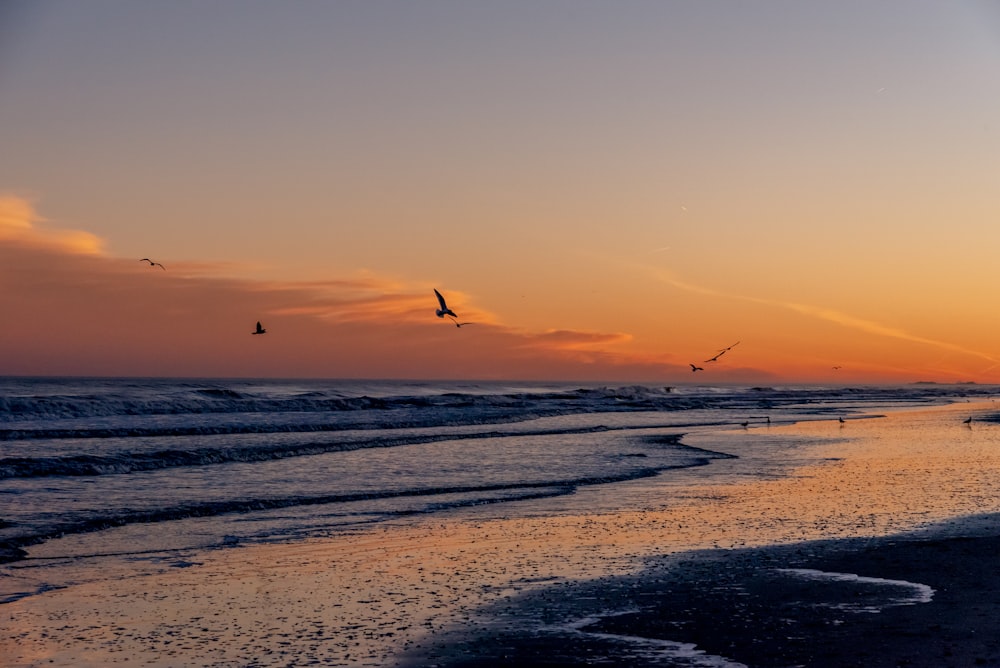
x,y
555,583
929,598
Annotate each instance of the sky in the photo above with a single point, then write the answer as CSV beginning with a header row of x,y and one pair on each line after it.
x,y
608,191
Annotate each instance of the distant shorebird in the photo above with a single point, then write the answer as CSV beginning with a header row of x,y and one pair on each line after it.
x,y
841,420
260,330
695,368
745,424
968,421
444,310
153,264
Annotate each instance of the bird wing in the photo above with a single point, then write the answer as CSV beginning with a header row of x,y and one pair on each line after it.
x,y
258,326
444,306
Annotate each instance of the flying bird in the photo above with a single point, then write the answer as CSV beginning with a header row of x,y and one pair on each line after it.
x,y
695,368
461,324
153,264
260,330
444,310
722,352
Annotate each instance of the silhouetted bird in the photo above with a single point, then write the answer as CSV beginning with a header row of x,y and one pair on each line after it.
x,y
153,264
260,330
695,368
968,421
443,310
722,352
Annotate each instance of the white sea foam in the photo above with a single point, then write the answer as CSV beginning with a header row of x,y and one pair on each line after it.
x,y
653,650
912,592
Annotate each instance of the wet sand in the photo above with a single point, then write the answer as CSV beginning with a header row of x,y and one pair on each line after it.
x,y
894,602
686,568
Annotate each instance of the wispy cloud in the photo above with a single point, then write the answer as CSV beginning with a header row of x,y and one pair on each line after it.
x,y
18,223
70,309
827,315
564,339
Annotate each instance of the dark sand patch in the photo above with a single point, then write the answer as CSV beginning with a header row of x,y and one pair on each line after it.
x,y
725,607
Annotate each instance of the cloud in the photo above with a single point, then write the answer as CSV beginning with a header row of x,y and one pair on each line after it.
x,y
563,339
18,224
827,315
71,310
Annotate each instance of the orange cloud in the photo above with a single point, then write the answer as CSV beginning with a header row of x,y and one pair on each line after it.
x,y
562,339
70,310
17,224
832,316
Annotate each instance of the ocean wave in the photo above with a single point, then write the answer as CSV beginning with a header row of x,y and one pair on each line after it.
x,y
26,410
12,547
132,461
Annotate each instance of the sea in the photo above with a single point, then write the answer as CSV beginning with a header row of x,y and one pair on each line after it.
x,y
93,467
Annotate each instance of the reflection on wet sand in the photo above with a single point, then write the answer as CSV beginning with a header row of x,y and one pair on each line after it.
x,y
374,594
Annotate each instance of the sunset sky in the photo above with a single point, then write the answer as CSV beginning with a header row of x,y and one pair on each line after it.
x,y
608,190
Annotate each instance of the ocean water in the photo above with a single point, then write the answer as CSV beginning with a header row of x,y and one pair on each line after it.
x,y
122,468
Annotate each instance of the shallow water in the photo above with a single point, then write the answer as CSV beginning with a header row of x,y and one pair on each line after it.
x,y
347,592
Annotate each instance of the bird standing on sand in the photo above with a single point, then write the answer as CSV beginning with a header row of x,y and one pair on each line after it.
x,y
443,310
260,330
153,264
968,421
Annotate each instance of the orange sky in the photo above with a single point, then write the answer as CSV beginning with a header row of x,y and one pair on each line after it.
x,y
73,309
609,191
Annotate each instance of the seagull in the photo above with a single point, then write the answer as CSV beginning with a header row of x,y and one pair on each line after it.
x,y
444,310
836,368
461,324
695,368
260,330
153,264
722,352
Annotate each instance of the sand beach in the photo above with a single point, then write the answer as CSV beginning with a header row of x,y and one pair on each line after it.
x,y
877,548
